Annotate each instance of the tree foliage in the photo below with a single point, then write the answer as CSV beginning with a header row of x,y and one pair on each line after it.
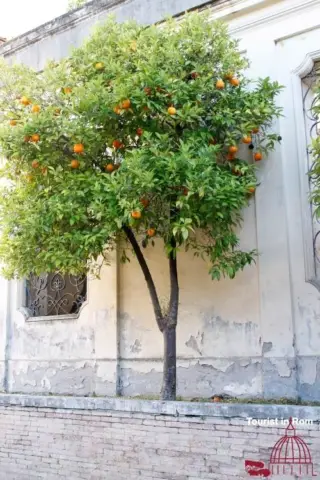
x,y
135,128
73,4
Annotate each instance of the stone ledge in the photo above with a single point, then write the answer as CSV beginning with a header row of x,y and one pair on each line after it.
x,y
64,22
155,407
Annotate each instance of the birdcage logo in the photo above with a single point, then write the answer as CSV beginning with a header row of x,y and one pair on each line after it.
x,y
291,455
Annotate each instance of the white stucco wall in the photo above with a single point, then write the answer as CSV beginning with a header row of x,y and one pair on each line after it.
x,y
258,334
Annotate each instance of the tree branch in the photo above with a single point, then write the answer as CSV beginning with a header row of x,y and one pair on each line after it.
x,y
147,276
174,287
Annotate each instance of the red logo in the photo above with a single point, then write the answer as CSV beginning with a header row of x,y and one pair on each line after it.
x,y
289,456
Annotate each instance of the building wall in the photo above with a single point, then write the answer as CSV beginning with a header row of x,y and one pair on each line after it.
x,y
255,335
61,438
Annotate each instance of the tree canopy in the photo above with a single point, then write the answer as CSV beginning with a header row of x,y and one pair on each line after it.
x,y
138,128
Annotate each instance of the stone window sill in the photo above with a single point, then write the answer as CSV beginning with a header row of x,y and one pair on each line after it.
x,y
46,318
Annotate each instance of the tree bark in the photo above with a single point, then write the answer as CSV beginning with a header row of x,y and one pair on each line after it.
x,y
147,275
169,384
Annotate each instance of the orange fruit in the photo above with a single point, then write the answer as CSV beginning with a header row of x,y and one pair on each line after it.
x,y
136,214
251,189
35,138
151,232
235,81
99,66
74,164
117,144
139,132
246,139
35,164
27,138
258,156
230,157
117,110
67,90
25,101
255,130
172,111
194,75
233,149
228,76
109,167
126,104
35,108
220,84
145,202
78,148
13,123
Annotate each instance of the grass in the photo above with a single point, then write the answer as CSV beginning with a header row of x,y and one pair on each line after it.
x,y
224,399
229,399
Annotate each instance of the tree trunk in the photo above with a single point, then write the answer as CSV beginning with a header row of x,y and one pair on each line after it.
x,y
169,385
167,324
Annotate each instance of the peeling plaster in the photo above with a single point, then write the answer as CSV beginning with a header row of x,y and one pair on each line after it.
x,y
136,347
143,366
244,363
266,347
40,341
220,364
308,366
310,333
225,338
192,343
282,366
249,388
308,370
217,323
203,377
279,377
77,378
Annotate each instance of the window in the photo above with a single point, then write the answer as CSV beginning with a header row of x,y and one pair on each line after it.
x,y
55,294
312,129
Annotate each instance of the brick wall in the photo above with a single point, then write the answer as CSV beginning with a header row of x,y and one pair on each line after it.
x,y
112,440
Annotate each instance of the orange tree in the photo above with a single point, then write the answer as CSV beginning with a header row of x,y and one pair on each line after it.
x,y
135,135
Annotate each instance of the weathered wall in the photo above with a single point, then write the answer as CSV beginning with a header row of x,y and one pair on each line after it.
x,y
255,335
218,340
75,439
60,356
